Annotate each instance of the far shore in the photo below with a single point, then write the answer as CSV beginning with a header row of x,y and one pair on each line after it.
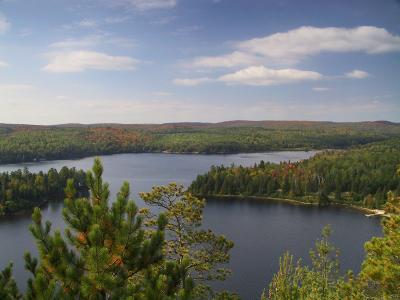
x,y
166,152
368,212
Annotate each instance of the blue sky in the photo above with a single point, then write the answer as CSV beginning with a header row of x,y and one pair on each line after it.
x,y
154,61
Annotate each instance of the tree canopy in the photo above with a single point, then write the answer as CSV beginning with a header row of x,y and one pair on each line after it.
x,y
118,251
360,176
24,143
205,252
22,190
379,277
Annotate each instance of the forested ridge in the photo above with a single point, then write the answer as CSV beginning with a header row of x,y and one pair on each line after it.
x,y
25,143
360,176
23,190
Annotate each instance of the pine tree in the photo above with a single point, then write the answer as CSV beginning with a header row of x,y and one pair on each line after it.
x,y
8,287
319,281
203,249
285,185
107,253
380,273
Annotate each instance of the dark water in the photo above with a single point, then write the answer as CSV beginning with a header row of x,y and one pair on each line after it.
x,y
261,230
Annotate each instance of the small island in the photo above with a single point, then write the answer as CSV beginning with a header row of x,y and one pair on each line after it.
x,y
21,190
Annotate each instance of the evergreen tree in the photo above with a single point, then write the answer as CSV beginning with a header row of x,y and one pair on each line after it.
x,y
380,273
320,281
285,185
107,253
8,287
271,186
203,249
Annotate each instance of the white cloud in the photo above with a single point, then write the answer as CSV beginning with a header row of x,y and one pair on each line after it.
x,y
87,23
234,59
3,64
191,81
292,46
260,75
296,44
357,74
144,5
84,42
4,24
91,41
321,89
82,24
78,61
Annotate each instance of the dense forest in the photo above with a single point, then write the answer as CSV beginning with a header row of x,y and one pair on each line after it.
x,y
25,143
361,176
22,190
122,252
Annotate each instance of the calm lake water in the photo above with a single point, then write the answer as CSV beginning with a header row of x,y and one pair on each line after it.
x,y
261,230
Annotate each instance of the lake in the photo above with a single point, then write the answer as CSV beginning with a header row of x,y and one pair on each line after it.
x,y
261,230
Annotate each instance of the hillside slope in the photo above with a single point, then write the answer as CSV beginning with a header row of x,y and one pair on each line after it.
x,y
25,143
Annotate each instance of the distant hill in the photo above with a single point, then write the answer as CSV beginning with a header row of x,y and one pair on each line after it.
x,y
233,123
23,143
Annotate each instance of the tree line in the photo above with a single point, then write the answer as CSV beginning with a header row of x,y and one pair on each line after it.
x,y
20,143
22,190
360,176
118,251
378,279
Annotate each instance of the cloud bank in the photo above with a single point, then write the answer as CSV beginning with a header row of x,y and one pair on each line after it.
x,y
143,5
191,81
78,61
262,76
295,45
357,74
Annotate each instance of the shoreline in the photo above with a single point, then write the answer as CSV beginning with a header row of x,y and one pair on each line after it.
x,y
368,212
25,211
166,152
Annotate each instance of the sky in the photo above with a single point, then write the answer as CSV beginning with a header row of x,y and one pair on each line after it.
x,y
158,61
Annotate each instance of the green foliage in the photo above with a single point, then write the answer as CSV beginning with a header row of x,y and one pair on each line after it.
x,y
116,251
379,277
204,251
21,143
107,252
360,176
286,283
8,287
380,273
21,190
225,296
319,281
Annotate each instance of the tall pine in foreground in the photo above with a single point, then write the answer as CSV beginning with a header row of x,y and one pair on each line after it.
x,y
107,253
206,253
